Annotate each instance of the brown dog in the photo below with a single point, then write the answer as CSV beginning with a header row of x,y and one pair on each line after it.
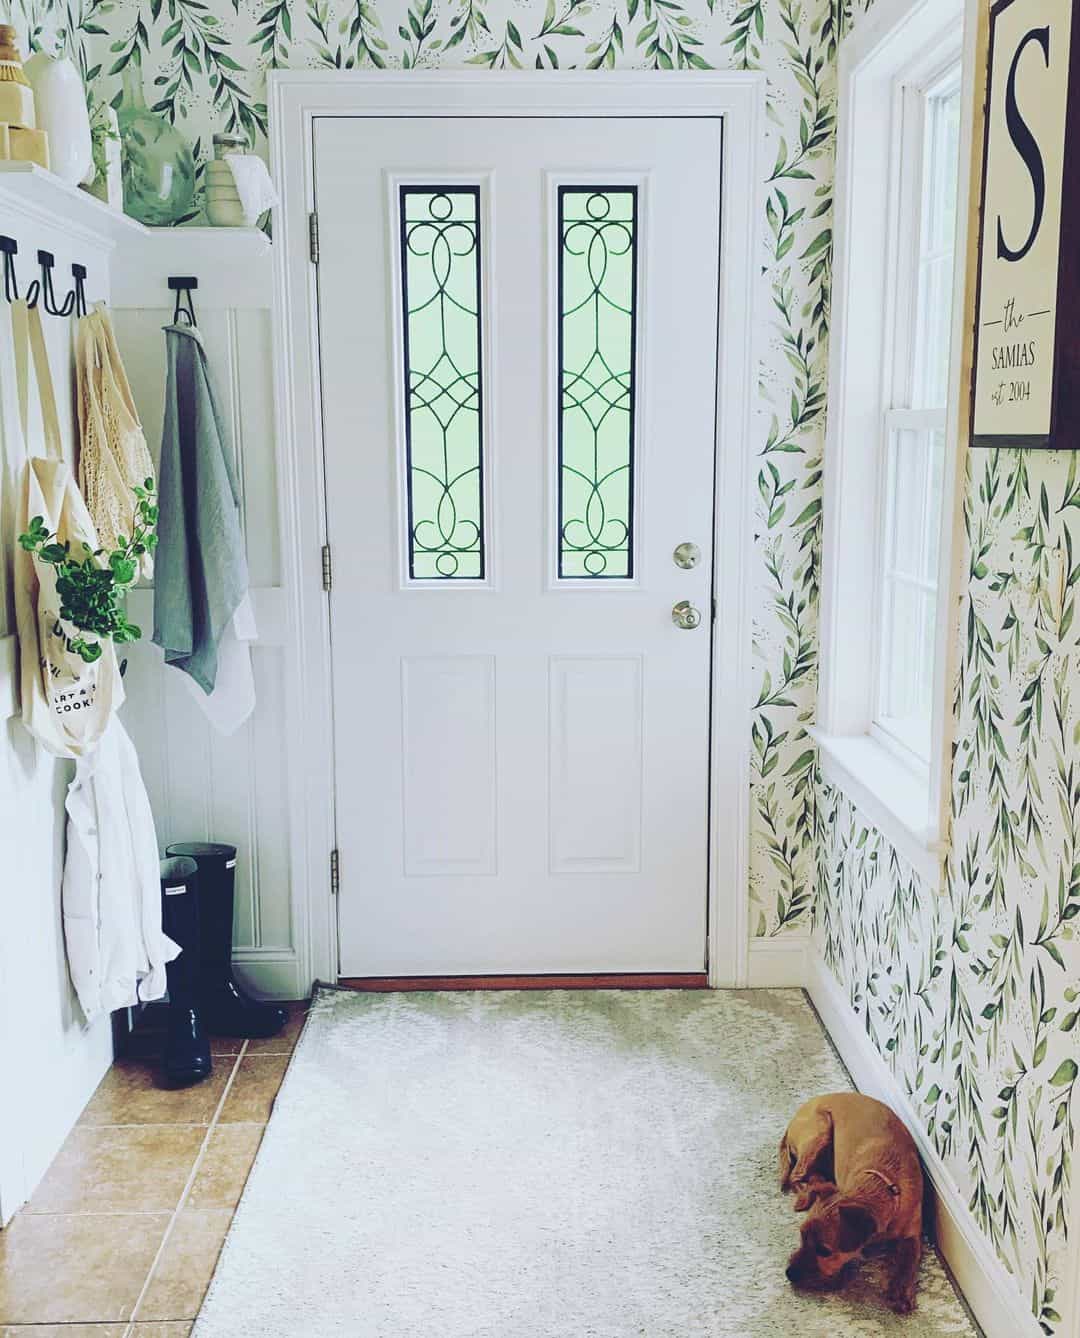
x,y
856,1169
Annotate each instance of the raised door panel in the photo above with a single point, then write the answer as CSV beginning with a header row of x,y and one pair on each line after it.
x,y
595,766
448,761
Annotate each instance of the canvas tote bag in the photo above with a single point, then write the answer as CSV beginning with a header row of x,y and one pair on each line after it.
x,y
66,703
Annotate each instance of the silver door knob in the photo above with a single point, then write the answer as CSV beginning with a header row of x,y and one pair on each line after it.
x,y
684,615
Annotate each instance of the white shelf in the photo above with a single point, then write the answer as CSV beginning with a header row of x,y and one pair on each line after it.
x,y
232,264
43,193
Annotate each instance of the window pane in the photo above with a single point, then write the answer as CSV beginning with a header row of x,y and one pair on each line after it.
x,y
933,319
914,475
440,249
909,668
935,499
943,132
932,379
907,493
596,341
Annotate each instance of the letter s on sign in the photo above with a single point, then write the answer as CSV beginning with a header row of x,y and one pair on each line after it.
x,y
1026,146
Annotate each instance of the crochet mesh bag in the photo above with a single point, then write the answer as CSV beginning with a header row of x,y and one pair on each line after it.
x,y
113,455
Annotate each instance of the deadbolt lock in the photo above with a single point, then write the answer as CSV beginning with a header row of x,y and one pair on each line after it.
x,y
687,556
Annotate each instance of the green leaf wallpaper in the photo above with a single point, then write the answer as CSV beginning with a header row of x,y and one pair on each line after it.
x,y
971,994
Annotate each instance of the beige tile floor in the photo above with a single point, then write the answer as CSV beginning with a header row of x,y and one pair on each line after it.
x,y
122,1235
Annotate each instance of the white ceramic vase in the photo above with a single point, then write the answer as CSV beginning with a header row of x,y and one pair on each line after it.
x,y
60,103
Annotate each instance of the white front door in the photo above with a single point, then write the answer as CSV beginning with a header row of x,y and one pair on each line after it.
x,y
518,343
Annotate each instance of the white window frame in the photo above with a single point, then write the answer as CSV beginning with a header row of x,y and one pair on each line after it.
x,y
900,45
913,86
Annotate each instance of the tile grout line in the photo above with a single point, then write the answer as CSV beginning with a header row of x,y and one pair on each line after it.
x,y
168,1124
185,1193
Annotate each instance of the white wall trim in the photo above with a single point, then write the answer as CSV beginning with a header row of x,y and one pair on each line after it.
x,y
777,963
295,98
271,973
988,1287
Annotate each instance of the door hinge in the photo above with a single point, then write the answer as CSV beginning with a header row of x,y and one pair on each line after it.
x,y
313,236
335,874
714,610
327,568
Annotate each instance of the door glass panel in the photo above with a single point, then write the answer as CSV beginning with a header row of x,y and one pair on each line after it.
x,y
597,274
441,296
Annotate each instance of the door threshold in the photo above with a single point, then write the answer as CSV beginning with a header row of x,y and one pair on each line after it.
x,y
685,980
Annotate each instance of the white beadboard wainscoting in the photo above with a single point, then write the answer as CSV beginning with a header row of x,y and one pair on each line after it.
x,y
202,784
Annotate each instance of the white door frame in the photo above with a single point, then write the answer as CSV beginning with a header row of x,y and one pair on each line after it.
x,y
295,98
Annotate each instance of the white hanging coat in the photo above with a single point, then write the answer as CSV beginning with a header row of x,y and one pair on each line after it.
x,y
112,895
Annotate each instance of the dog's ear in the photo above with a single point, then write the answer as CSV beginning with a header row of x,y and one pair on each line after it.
x,y
857,1225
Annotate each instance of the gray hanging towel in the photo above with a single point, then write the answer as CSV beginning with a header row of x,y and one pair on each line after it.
x,y
200,572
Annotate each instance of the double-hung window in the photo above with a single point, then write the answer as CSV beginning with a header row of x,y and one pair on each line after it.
x,y
914,421
894,417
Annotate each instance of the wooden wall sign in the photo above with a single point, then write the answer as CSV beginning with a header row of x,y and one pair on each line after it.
x,y
1026,383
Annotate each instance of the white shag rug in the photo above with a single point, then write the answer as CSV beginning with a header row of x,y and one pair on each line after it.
x,y
541,1165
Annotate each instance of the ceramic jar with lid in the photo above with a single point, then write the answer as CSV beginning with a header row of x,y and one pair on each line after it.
x,y
223,206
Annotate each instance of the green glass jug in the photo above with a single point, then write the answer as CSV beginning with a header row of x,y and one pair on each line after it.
x,y
157,163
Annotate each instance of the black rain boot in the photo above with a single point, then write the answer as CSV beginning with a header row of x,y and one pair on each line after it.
x,y
226,1010
187,1051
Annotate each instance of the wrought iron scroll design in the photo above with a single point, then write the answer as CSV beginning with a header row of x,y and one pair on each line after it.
x,y
597,294
441,302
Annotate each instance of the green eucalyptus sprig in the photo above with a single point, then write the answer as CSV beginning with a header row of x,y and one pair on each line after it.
x,y
92,587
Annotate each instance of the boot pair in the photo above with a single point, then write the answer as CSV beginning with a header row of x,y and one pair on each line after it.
x,y
197,895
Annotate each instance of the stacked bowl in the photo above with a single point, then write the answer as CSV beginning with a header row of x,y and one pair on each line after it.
x,y
223,207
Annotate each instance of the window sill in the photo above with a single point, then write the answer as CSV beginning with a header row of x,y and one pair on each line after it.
x,y
894,798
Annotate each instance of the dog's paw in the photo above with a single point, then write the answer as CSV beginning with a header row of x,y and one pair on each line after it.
x,y
902,1302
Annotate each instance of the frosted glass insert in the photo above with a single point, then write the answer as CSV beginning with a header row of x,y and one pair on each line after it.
x,y
440,280
597,318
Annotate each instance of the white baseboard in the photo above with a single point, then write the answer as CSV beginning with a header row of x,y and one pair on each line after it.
x,y
989,1288
776,963
271,973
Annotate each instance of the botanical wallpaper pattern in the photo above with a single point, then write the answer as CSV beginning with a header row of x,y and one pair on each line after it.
x,y
203,65
972,994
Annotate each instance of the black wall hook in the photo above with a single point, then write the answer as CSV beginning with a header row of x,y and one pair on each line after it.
x,y
79,274
9,247
42,289
182,286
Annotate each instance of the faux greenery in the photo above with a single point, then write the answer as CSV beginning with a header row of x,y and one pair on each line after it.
x,y
101,134
92,587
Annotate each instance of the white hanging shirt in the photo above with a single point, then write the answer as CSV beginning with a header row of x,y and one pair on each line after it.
x,y
112,892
